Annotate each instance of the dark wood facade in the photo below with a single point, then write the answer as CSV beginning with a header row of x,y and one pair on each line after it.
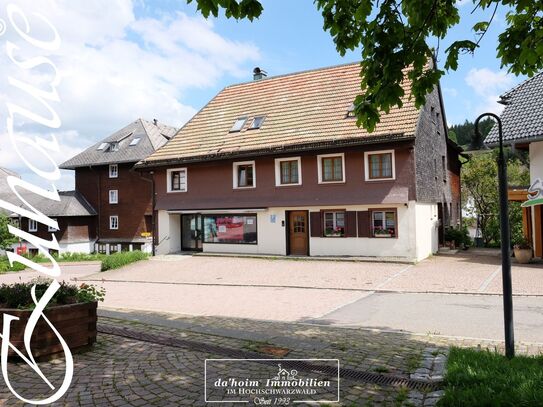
x,y
210,183
71,229
134,207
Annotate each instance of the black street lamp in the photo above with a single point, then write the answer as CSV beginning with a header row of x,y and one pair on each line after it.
x,y
478,144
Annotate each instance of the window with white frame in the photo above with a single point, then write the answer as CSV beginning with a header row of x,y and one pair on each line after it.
x,y
50,228
379,165
177,180
113,171
334,224
288,171
32,225
114,222
244,174
383,223
331,168
113,196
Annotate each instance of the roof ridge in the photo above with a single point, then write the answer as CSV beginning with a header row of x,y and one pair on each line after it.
x,y
268,78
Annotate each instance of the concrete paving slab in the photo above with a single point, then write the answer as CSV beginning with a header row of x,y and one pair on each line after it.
x,y
476,316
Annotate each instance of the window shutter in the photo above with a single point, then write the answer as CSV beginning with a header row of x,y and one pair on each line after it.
x,y
363,223
316,224
350,224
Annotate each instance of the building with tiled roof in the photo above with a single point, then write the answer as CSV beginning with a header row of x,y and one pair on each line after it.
x,y
278,166
122,198
74,215
522,121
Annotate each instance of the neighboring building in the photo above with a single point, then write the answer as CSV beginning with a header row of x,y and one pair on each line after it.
x,y
522,121
104,175
278,166
75,217
76,222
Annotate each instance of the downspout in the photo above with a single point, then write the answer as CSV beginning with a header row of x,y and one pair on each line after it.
x,y
99,209
153,205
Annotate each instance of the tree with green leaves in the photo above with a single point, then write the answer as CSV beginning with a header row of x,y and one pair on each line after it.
x,y
394,35
480,193
463,133
6,238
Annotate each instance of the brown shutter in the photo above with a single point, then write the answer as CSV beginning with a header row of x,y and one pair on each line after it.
x,y
316,224
350,224
364,224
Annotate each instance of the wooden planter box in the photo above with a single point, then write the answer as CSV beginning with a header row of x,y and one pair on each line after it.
x,y
75,322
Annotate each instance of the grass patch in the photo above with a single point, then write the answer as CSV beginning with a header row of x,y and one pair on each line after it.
x,y
487,378
111,261
120,259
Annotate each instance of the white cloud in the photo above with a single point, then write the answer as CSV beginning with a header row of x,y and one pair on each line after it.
x,y
487,86
117,67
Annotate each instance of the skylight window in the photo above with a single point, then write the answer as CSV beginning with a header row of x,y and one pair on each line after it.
x,y
102,146
135,141
350,110
114,146
238,125
257,122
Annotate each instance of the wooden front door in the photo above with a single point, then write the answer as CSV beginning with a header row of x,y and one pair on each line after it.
x,y
298,233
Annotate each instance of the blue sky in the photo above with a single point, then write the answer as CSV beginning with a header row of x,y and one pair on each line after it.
x,y
290,38
124,59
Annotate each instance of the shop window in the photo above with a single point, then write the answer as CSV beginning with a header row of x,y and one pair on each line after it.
x,y
234,229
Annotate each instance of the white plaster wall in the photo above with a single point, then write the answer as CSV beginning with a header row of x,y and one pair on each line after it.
x,y
272,237
372,247
169,233
426,235
536,171
71,247
536,160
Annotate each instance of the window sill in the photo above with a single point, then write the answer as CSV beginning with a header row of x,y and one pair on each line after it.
x,y
287,185
380,179
331,182
175,192
243,188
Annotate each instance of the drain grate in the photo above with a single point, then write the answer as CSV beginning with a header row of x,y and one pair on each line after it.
x,y
351,374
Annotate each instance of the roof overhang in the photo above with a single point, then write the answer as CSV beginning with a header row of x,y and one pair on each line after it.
x,y
215,211
293,148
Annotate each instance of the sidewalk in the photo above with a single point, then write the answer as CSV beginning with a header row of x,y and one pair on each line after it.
x,y
150,359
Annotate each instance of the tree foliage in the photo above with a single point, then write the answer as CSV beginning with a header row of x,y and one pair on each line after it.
x,y
480,193
464,132
393,35
6,238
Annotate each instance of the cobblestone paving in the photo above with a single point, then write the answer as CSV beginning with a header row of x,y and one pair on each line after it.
x,y
125,372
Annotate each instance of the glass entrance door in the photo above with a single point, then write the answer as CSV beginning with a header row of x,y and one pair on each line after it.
x,y
191,232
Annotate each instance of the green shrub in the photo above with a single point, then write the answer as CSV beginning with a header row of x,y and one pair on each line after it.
x,y
19,295
119,259
81,257
459,235
5,267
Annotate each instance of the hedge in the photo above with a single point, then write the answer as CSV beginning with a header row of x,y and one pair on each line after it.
x,y
120,259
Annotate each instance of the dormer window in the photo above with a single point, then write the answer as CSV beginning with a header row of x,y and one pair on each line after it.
x,y
350,111
135,141
257,122
238,125
102,146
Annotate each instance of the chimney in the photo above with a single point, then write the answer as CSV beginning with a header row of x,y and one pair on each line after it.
x,y
155,122
259,74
